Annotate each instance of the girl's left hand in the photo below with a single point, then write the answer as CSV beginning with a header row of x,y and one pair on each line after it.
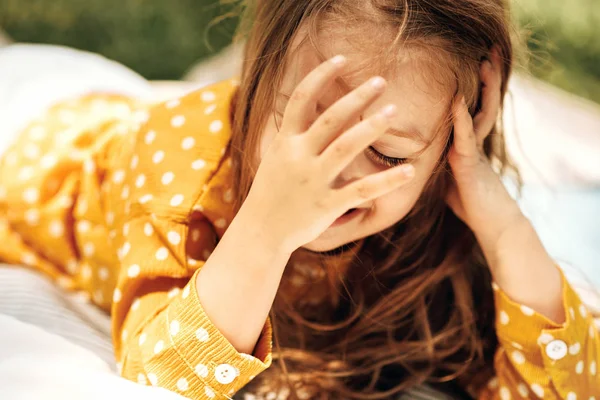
x,y
478,196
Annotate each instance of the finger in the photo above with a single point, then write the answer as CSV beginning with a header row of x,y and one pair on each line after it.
x,y
329,124
354,141
302,102
465,143
491,78
373,186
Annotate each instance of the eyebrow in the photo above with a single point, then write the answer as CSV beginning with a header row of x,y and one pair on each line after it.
x,y
413,133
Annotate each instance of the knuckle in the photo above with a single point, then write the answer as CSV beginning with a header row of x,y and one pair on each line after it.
x,y
363,190
299,95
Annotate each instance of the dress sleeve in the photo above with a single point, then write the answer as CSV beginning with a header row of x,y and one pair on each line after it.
x,y
161,333
539,359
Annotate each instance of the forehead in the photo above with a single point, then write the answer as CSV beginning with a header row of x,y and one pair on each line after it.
x,y
422,100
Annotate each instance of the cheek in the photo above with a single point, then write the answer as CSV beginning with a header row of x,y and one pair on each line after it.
x,y
397,204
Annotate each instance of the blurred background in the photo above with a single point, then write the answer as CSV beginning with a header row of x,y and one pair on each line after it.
x,y
163,40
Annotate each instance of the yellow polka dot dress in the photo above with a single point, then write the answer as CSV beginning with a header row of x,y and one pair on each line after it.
x,y
125,201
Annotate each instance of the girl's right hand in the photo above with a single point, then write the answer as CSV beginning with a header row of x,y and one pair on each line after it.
x,y
292,194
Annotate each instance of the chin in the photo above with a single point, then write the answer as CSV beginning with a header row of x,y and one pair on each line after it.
x,y
328,246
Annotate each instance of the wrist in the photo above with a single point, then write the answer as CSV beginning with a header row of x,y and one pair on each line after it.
x,y
252,224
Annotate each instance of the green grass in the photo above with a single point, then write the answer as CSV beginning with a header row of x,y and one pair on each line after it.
x,y
161,39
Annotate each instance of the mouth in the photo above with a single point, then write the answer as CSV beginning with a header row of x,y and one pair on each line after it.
x,y
348,215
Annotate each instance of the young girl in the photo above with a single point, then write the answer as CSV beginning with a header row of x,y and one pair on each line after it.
x,y
354,222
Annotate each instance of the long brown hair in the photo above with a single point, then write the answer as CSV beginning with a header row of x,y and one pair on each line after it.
x,y
417,304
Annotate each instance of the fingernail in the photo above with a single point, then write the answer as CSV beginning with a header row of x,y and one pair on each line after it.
x,y
378,82
389,110
408,170
338,60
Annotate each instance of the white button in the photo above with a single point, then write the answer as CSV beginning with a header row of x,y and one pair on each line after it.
x,y
556,349
226,373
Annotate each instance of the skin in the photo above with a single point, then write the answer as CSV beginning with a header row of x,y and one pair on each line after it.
x,y
420,105
249,261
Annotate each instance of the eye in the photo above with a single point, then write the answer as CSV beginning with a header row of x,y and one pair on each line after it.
x,y
383,159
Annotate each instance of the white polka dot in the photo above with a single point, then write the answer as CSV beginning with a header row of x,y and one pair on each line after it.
x,y
86,271
518,357
103,273
228,196
159,346
522,389
89,249
493,383
153,379
216,126
527,311
141,116
177,200
141,379
574,349
148,229
201,370
174,328
136,304
198,164
202,335
125,192
145,199
150,136
56,229
579,367
89,166
209,392
192,262
208,110
118,176
124,334
125,249
173,292
162,254
84,226
186,292
31,195
572,312
208,96
195,234
221,223
198,207
29,258
545,338
133,271
206,253
504,319
174,238
182,384
593,368
32,216
538,390
140,180
142,338
110,217
504,393
571,396
516,345
31,151
135,160
48,161
188,143
158,156
177,121
167,178
117,295
582,310
172,103
25,173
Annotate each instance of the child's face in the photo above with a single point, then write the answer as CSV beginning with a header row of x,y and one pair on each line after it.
x,y
422,105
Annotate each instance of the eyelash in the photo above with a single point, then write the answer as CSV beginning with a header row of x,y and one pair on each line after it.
x,y
379,158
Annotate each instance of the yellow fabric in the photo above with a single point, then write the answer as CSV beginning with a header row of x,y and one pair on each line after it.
x,y
125,201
